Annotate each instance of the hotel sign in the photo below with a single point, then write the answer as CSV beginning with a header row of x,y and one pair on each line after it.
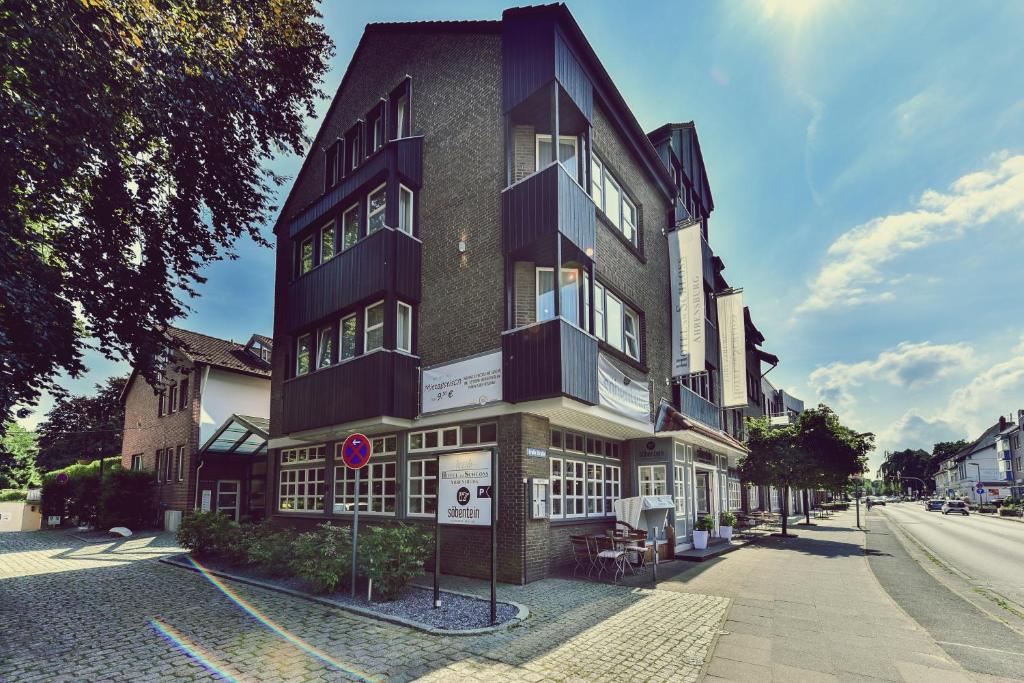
x,y
732,337
469,382
464,490
687,273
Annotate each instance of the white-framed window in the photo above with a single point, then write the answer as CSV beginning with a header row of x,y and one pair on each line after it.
x,y
679,491
422,500
355,151
557,489
159,466
735,501
575,489
401,114
612,487
384,445
613,321
376,205
599,319
569,292
597,181
652,480
347,336
378,133
405,209
595,489
612,201
753,497
324,347
568,148
303,351
404,327
169,465
377,488
306,256
327,242
181,463
450,437
137,462
616,323
296,456
301,489
373,327
629,219
350,227
173,399
631,332
608,195
774,497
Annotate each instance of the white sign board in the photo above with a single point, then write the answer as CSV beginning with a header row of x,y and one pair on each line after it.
x,y
620,393
732,337
469,382
687,273
207,496
464,491
53,520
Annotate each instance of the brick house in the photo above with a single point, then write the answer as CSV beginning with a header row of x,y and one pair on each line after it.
x,y
443,284
204,433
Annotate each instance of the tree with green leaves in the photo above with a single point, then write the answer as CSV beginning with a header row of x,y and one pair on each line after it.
x,y
18,458
909,467
82,427
135,137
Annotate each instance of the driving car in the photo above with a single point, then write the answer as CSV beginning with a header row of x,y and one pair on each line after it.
x,y
955,506
933,505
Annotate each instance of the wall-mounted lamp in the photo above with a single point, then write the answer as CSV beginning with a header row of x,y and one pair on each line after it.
x,y
462,246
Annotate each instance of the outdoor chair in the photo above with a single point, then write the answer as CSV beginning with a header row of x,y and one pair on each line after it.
x,y
582,553
609,557
637,544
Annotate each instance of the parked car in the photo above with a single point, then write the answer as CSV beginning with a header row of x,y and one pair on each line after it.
x,y
956,506
933,505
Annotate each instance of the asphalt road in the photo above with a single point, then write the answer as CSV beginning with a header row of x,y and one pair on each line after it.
x,y
990,551
976,640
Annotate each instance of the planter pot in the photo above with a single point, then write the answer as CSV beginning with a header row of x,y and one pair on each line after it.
x,y
700,540
725,533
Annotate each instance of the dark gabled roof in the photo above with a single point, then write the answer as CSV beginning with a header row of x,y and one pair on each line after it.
x,y
435,26
754,335
986,440
221,353
701,183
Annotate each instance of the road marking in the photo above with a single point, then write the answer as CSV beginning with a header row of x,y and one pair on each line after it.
x,y
978,647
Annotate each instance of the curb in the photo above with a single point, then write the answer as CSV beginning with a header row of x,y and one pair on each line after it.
x,y
522,613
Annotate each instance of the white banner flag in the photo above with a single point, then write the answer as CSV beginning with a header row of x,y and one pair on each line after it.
x,y
732,335
687,272
625,395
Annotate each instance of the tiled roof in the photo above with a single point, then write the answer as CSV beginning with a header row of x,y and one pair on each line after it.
x,y
986,440
221,353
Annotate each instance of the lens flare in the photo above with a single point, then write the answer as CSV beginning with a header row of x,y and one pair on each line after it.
x,y
277,628
191,649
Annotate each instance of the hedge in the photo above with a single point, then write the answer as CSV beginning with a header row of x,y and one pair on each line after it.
x,y
13,495
123,498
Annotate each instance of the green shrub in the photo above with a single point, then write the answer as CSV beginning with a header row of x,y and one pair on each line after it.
x,y
73,492
128,499
392,556
1009,511
13,495
987,508
323,557
269,548
704,523
209,534
727,518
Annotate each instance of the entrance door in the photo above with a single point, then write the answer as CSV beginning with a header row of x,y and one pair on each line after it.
x,y
703,493
227,497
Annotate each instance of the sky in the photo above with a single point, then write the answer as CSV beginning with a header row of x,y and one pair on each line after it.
x,y
867,164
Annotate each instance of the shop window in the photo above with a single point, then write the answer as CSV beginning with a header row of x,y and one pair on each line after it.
x,y
595,489
373,325
679,491
575,491
377,486
422,488
450,437
652,480
303,351
376,207
301,489
404,336
350,227
613,487
324,350
405,209
556,478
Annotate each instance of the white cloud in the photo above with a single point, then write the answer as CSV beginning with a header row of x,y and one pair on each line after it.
x,y
907,366
928,110
853,269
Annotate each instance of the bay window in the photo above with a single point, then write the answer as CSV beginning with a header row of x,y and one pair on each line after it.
x,y
567,153
405,208
401,115
404,322
303,351
376,205
373,335
568,292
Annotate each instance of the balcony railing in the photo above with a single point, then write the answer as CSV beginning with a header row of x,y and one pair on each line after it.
x,y
546,202
372,385
549,359
699,408
386,261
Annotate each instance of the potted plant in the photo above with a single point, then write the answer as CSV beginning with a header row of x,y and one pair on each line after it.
x,y
705,525
726,521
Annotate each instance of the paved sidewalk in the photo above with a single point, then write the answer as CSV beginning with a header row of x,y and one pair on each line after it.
x,y
810,609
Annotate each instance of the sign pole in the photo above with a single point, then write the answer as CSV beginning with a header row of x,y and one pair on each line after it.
x,y
437,540
494,536
355,532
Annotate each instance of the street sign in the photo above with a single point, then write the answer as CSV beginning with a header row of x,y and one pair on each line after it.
x,y
980,489
356,451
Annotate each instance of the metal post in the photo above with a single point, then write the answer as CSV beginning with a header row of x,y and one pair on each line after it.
x,y
494,536
355,532
437,539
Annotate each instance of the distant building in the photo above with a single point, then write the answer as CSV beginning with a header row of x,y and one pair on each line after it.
x,y
1010,452
204,432
976,464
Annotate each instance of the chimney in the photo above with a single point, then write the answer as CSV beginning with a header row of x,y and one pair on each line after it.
x,y
1002,423
1020,418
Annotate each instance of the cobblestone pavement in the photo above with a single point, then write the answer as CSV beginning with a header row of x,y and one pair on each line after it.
x,y
76,612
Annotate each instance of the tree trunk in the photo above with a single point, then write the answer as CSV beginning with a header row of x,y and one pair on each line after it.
x,y
785,508
807,508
